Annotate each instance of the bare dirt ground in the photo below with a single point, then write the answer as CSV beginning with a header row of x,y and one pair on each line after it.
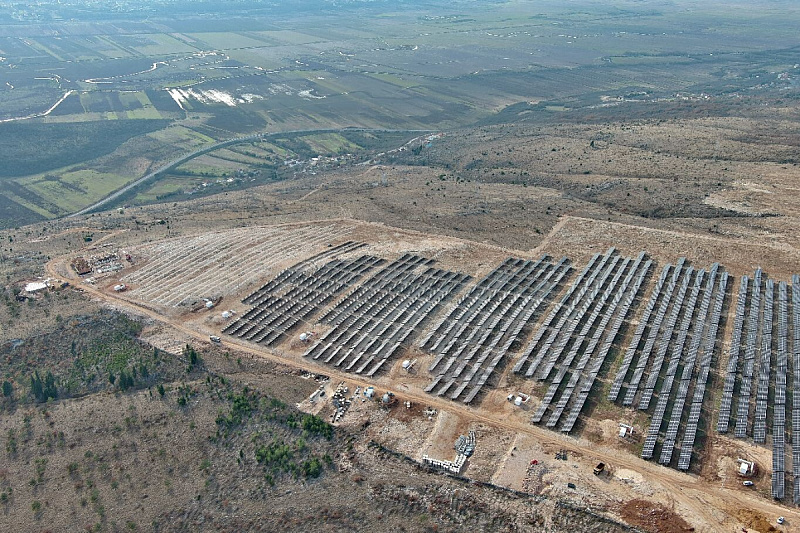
x,y
653,517
580,238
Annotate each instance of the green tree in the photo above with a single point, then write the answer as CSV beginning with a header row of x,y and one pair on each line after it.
x,y
125,381
36,386
43,390
316,426
8,389
191,354
312,467
50,390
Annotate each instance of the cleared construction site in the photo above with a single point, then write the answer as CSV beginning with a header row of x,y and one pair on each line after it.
x,y
694,343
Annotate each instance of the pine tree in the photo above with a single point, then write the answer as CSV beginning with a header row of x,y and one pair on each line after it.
x,y
50,390
36,386
125,381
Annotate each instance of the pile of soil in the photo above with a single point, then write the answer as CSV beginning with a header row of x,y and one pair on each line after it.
x,y
653,517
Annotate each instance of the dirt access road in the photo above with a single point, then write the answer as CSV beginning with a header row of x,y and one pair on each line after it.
x,y
708,506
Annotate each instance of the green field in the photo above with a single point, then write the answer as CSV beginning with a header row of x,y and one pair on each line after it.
x,y
70,190
231,40
66,144
330,144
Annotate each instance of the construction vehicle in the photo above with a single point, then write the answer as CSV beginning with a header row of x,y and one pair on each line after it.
x,y
599,468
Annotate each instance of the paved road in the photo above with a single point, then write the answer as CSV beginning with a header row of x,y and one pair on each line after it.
x,y
222,144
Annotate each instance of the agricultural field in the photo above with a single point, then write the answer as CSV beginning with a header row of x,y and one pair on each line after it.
x,y
396,69
271,158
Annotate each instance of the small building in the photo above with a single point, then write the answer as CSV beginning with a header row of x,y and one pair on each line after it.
x,y
518,399
408,364
35,287
625,431
746,468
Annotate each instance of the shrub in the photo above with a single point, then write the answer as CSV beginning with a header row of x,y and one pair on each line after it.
x,y
312,467
316,426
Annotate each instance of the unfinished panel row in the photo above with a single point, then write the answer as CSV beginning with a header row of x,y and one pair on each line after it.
x,y
371,324
278,282
182,271
475,336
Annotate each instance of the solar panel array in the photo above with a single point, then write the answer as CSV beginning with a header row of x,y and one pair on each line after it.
x,y
753,319
663,344
371,324
796,385
709,343
669,358
637,336
733,358
474,337
762,390
767,333
674,341
588,379
689,361
779,405
570,347
294,296
654,327
675,358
